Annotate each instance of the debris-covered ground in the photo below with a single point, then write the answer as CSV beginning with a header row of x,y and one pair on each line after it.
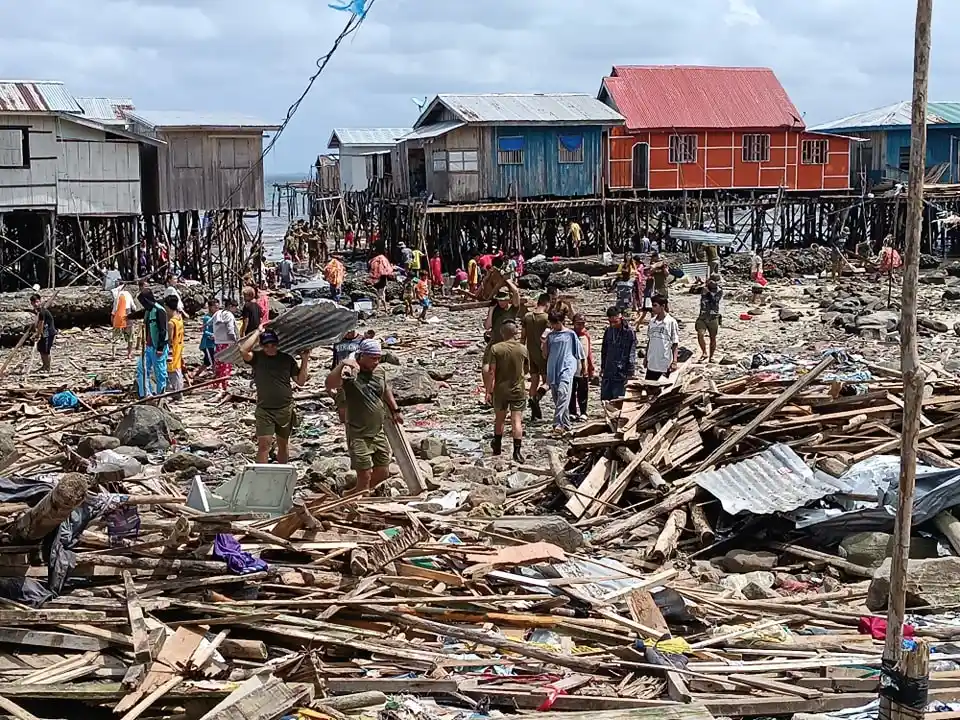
x,y
715,544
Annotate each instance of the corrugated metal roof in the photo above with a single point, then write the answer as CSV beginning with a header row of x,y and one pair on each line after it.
x,y
776,480
32,96
303,327
529,108
693,98
365,136
188,119
435,130
897,115
106,110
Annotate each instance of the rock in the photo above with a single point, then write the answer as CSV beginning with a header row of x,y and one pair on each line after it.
x,y
929,262
567,279
328,468
426,470
705,571
414,387
295,451
932,324
247,448
885,320
138,454
530,282
830,318
929,582
493,495
389,358
478,474
207,441
395,470
937,277
755,591
953,269
92,444
849,305
180,461
145,427
865,548
744,561
432,447
788,315
956,328
951,294
544,528
440,375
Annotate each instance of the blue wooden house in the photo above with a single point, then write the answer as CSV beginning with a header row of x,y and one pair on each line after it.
x,y
474,148
883,153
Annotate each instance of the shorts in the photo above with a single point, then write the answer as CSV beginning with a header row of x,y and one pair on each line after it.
x,y
272,422
503,401
124,333
710,326
425,303
174,380
538,363
368,453
45,344
656,375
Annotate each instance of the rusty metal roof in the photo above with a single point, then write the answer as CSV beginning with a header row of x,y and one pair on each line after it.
x,y
776,480
36,96
674,97
106,110
525,109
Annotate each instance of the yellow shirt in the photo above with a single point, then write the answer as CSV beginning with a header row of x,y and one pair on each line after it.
x,y
473,272
575,233
175,361
415,262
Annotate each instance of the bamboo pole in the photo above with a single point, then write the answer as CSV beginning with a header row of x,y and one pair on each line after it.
x,y
913,375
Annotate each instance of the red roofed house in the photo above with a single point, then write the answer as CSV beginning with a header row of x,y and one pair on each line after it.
x,y
713,128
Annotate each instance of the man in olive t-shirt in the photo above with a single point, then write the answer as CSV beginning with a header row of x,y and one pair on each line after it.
x,y
505,371
535,323
366,398
273,374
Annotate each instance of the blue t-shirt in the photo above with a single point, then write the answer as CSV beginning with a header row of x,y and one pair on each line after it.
x,y
206,340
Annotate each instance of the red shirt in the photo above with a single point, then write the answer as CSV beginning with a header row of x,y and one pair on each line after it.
x,y
485,261
436,272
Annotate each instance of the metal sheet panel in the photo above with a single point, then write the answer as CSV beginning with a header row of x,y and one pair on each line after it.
x,y
305,326
708,98
776,480
703,237
166,119
31,96
432,131
510,108
890,116
365,136
106,110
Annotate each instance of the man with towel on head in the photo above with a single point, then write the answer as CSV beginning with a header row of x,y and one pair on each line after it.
x,y
367,398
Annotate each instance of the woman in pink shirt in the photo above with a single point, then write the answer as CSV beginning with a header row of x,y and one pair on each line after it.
x,y
381,270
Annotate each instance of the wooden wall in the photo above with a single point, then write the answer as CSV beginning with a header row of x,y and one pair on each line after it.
x,y
96,175
200,169
33,187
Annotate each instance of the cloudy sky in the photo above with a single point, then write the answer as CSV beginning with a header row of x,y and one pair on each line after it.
x,y
252,57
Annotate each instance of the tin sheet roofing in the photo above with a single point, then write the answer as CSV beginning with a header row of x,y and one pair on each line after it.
x,y
435,130
529,108
776,480
708,98
32,96
897,115
189,119
365,136
106,110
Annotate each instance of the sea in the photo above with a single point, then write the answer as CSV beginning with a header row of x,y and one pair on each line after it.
x,y
275,226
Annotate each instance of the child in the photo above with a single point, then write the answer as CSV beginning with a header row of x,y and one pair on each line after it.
x,y
581,383
422,294
460,279
409,287
207,345
175,336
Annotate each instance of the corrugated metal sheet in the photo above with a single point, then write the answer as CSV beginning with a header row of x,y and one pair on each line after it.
x,y
187,119
776,480
897,115
703,237
106,110
431,131
365,136
29,96
303,327
509,108
707,98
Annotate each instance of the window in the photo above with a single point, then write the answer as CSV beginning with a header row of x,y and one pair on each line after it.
x,y
439,160
570,148
756,148
462,160
905,158
187,153
813,152
683,149
14,151
234,154
510,151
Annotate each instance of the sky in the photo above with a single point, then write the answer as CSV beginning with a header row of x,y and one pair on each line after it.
x,y
835,57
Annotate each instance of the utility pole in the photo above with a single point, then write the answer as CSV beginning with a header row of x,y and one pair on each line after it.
x,y
899,695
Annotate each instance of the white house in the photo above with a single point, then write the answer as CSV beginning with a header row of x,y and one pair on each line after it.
x,y
364,154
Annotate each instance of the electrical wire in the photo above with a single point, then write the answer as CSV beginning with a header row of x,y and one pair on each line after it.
x,y
351,26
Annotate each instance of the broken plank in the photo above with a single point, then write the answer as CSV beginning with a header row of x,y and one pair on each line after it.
x,y
46,639
592,484
138,625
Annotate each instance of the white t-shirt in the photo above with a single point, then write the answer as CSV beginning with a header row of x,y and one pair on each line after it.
x,y
224,328
662,335
127,301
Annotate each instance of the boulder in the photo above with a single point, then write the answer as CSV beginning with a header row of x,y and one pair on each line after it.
x,y
494,495
145,427
953,269
432,447
478,474
745,561
789,315
704,571
567,280
951,294
390,358
328,468
247,448
929,582
180,461
865,548
208,441
885,320
440,375
848,305
530,282
92,444
595,267
831,319
545,528
932,324
929,262
414,387
937,277
138,454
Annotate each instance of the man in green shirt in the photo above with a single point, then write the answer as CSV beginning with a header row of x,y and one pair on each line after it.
x,y
535,324
367,398
505,308
505,372
273,374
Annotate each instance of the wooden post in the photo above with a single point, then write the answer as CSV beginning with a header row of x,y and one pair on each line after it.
x,y
52,510
913,375
907,699
50,242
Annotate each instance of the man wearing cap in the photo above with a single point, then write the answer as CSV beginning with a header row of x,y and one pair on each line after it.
x,y
504,374
505,309
273,372
367,398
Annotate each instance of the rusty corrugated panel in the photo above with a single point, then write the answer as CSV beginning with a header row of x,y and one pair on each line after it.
x,y
701,98
776,480
305,326
106,110
28,96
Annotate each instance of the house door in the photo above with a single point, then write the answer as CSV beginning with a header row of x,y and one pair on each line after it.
x,y
417,165
641,166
